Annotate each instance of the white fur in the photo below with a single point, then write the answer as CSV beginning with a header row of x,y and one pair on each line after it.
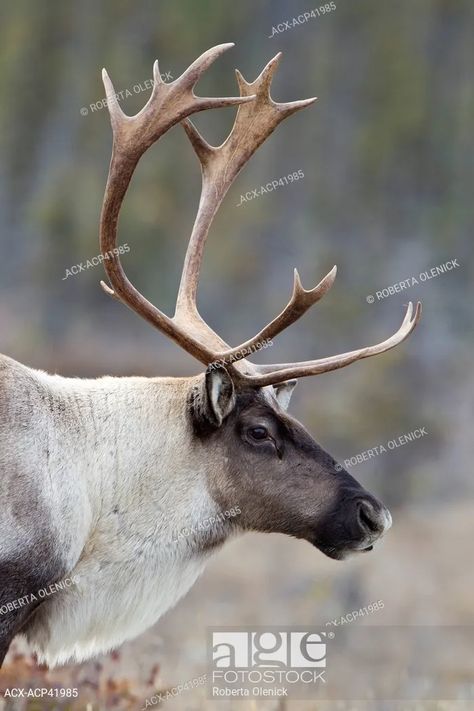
x,y
121,480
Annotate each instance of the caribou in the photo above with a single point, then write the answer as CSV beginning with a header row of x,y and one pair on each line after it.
x,y
100,477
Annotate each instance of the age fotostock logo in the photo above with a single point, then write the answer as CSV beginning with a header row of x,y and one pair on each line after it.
x,y
276,662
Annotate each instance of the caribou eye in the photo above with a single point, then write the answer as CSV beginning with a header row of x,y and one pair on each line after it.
x,y
258,433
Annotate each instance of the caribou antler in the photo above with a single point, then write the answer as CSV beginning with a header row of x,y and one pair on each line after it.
x,y
257,117
278,373
220,166
168,105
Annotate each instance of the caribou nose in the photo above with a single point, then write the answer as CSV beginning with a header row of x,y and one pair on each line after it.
x,y
373,518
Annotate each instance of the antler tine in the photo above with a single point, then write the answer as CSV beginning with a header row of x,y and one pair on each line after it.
x,y
220,165
168,105
301,300
273,374
193,73
117,117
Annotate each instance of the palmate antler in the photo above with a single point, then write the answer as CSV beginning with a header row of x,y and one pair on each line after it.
x,y
257,117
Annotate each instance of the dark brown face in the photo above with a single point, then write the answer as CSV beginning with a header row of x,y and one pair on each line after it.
x,y
281,479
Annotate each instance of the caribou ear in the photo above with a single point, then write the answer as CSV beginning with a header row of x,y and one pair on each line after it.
x,y
220,394
283,393
211,400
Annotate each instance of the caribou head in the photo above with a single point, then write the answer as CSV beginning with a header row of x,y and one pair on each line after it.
x,y
283,480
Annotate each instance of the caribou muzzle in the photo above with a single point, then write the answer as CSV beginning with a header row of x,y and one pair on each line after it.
x,y
355,527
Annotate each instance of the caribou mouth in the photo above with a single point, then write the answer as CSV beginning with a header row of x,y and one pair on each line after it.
x,y
342,551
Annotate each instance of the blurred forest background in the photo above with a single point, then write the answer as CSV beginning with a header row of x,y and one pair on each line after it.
x,y
387,154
